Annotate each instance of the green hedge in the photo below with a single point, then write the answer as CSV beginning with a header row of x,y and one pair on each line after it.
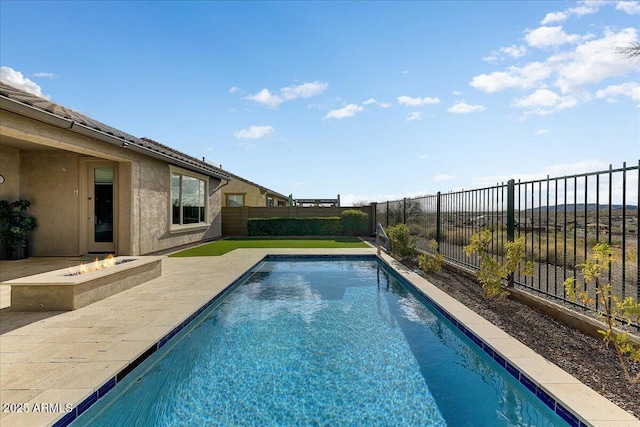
x,y
354,222
324,226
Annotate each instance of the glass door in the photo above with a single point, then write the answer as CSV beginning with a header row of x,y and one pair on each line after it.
x,y
101,207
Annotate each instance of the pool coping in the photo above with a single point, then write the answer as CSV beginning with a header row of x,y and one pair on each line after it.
x,y
555,387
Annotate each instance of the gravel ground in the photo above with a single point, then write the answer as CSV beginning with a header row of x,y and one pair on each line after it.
x,y
583,356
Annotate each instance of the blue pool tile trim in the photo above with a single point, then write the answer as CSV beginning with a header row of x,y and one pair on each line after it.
x,y
67,419
548,400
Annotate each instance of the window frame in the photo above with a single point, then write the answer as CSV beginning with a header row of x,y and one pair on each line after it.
x,y
226,199
203,179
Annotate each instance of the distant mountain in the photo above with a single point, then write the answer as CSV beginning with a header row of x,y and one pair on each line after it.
x,y
580,207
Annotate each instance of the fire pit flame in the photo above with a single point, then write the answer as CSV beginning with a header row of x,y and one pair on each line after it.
x,y
109,261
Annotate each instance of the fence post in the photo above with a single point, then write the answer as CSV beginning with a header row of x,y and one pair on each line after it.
x,y
511,212
387,213
438,222
373,208
404,210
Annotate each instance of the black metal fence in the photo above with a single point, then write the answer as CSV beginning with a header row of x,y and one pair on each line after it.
x,y
560,219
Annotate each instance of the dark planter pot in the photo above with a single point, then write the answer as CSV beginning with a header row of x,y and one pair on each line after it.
x,y
17,252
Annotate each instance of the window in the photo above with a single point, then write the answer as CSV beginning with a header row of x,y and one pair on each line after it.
x,y
188,199
235,200
270,202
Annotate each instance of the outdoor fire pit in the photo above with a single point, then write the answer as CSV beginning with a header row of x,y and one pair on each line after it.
x,y
78,286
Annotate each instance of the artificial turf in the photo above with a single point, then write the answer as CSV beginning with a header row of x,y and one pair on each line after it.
x,y
221,247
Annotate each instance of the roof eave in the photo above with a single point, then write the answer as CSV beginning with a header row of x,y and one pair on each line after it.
x,y
52,119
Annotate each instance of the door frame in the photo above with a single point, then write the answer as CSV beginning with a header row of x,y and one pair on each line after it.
x,y
86,245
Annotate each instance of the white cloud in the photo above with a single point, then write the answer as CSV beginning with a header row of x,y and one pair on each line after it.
x,y
457,93
45,75
19,81
344,112
513,51
379,104
413,116
541,132
353,199
266,98
549,36
417,102
521,77
630,7
563,79
554,17
289,93
612,93
545,101
254,132
594,61
578,62
384,197
462,107
423,156
234,89
564,169
305,90
441,178
585,7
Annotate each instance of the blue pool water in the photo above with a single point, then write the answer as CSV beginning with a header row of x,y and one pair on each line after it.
x,y
320,342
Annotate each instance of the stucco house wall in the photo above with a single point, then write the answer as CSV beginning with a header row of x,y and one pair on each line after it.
x,y
46,163
53,205
254,194
9,168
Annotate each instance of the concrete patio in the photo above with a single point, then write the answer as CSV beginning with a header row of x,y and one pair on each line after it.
x,y
58,359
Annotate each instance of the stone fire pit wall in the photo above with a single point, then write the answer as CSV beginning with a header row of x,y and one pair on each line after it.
x,y
59,291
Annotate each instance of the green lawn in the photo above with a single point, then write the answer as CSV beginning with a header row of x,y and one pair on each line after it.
x,y
221,247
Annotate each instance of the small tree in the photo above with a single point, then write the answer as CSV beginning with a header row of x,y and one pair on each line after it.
x,y
593,270
401,242
428,262
493,272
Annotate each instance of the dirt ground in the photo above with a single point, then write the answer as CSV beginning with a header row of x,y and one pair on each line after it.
x,y
583,356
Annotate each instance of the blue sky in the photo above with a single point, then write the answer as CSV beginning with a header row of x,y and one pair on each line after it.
x,y
369,100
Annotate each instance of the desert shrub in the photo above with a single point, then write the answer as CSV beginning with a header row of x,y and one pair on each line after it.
x,y
594,269
401,242
493,271
354,222
416,229
431,232
429,262
457,236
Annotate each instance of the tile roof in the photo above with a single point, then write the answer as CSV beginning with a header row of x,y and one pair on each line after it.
x,y
144,144
265,189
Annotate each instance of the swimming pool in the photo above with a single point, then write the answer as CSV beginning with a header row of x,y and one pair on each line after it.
x,y
320,342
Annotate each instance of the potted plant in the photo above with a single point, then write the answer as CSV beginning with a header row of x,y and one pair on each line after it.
x,y
15,228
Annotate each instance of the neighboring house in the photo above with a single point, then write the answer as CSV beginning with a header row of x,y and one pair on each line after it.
x,y
592,227
241,192
95,189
